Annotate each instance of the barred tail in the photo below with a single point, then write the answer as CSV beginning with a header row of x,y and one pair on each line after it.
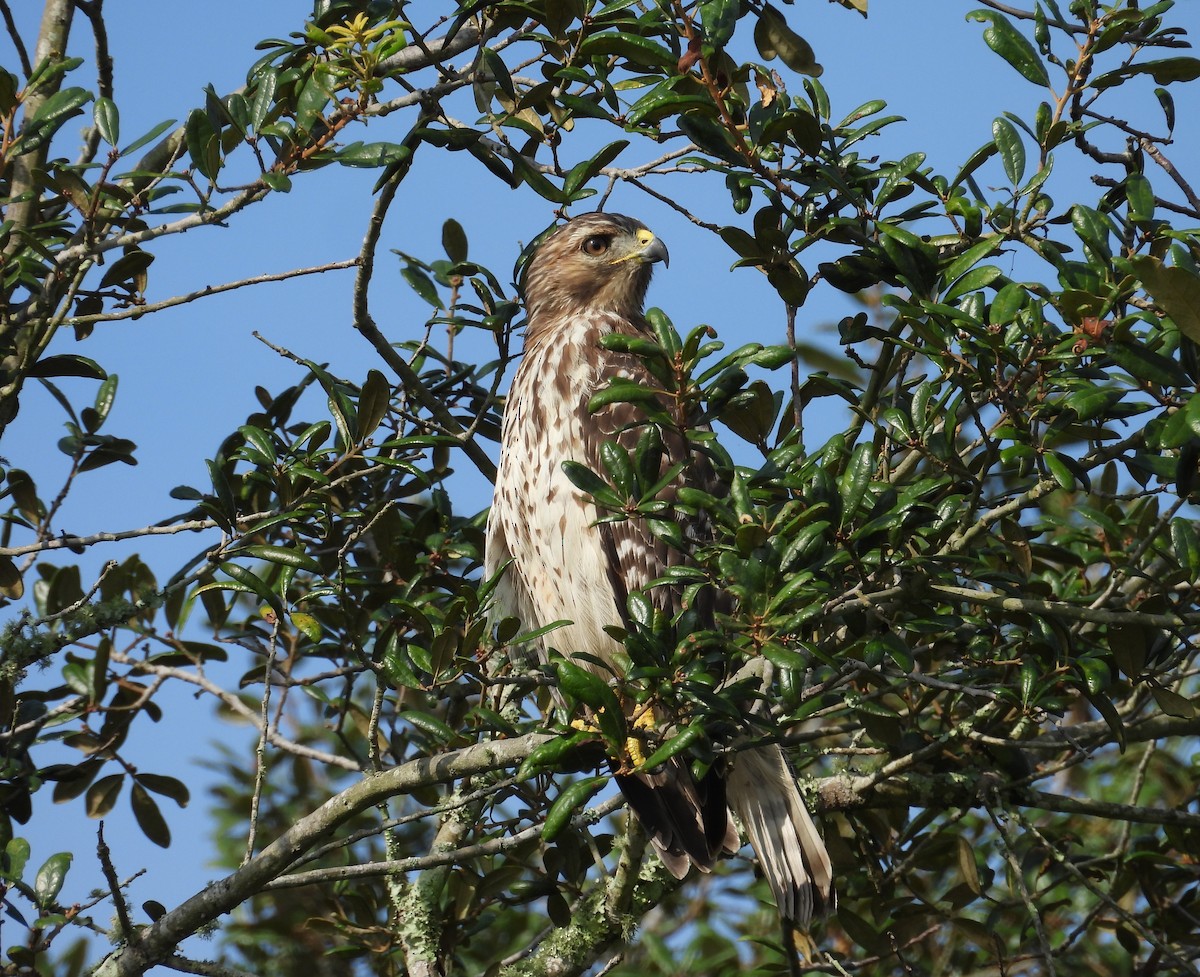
x,y
686,820
762,792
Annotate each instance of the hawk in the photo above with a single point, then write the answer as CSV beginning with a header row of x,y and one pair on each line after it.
x,y
561,563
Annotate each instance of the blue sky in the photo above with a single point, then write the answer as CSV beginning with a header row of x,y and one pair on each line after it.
x,y
187,374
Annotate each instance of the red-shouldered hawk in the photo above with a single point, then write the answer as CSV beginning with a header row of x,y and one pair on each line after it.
x,y
586,281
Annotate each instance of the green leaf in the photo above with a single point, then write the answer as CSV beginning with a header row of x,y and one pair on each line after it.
x,y
1093,231
675,744
108,122
567,803
277,180
1059,471
167,786
782,657
775,39
663,101
307,625
1012,46
1186,543
1007,304
897,176
719,19
1172,703
24,493
110,450
1012,150
259,447
1103,705
974,161
50,878
281,555
1145,364
1167,103
255,583
710,137
103,794
856,478
581,173
438,731
967,867
264,97
497,71
373,403
664,332
584,479
1129,645
1140,196
9,86
154,133
370,155
128,270
548,755
1163,72
204,147
313,98
637,50
50,117
149,817
536,180
422,284
454,241
619,467
95,416
16,855
622,391
586,687
974,280
972,256
1175,290
11,584
68,365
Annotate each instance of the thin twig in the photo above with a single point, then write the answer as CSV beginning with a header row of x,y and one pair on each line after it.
x,y
114,884
1160,158
235,704
266,727
137,312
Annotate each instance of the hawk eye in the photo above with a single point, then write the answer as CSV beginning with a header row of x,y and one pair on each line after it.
x,y
595,245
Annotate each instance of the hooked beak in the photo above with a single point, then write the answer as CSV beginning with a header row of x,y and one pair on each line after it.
x,y
655,250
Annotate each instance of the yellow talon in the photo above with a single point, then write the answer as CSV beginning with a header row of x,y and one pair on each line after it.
x,y
635,756
644,718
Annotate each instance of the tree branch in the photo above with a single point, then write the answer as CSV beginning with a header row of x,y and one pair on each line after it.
x,y
51,46
449,856
157,942
1053,608
136,312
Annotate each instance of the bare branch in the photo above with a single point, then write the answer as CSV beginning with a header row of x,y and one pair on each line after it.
x,y
136,312
437,856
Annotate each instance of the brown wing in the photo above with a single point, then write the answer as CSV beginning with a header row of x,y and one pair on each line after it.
x,y
637,556
687,820
684,816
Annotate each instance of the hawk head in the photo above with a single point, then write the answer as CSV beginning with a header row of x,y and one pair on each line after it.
x,y
596,263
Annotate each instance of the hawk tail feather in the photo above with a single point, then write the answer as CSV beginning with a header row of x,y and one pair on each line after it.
x,y
687,821
763,794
